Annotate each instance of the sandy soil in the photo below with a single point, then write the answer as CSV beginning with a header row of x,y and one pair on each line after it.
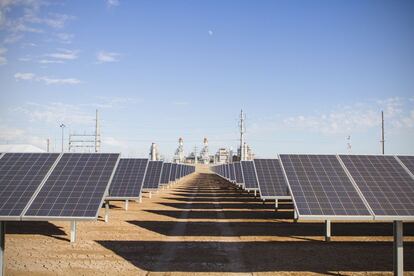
x,y
202,225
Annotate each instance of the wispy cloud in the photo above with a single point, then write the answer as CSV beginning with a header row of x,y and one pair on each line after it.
x,y
104,56
55,112
3,59
112,3
50,61
45,79
358,117
65,38
64,54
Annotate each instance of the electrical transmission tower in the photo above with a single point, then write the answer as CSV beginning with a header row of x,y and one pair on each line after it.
x,y
242,131
86,142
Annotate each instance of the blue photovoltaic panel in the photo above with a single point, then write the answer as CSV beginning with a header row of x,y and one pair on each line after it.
x,y
321,187
173,172
20,176
249,175
384,183
231,169
180,170
165,175
75,188
271,180
408,162
153,175
238,172
128,179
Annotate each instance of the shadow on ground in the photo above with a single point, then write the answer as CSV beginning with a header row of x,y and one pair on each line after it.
x,y
260,256
44,228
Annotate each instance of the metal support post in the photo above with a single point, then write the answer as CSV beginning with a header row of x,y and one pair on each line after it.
x,y
295,216
126,204
73,231
276,204
2,247
254,193
150,194
106,211
328,230
398,248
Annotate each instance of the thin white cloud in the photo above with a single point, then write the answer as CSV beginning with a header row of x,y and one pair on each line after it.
x,y
104,56
50,61
112,3
3,59
55,112
45,79
65,38
210,32
24,76
64,54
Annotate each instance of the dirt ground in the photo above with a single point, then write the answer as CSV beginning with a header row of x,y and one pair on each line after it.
x,y
202,225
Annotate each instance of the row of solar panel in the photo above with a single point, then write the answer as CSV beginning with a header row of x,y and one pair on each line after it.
x,y
333,186
134,175
47,186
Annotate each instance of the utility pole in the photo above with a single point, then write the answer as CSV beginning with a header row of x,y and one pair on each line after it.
x,y
62,126
48,144
242,130
382,133
97,134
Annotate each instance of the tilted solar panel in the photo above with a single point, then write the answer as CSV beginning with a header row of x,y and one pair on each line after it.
x,y
75,188
232,176
165,175
271,180
384,183
321,188
173,172
153,175
20,176
408,162
249,175
238,173
128,179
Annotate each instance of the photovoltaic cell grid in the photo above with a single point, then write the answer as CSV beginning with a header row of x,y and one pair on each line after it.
x,y
20,176
165,175
180,170
128,178
386,186
231,169
153,175
173,171
249,174
408,162
321,187
226,171
238,173
76,186
271,179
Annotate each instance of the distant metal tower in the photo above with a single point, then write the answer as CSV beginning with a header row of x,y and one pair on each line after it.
x,y
348,144
242,131
154,155
62,126
204,154
86,141
179,152
382,133
195,154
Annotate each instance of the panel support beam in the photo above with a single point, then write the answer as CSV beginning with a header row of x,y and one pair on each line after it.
x,y
73,231
2,247
254,193
276,204
328,230
398,248
295,216
126,204
149,194
106,211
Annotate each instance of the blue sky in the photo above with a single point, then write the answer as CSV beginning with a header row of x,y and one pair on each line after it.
x,y
307,73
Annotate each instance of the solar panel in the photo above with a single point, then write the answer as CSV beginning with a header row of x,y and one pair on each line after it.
x,y
238,173
173,171
408,162
20,176
232,177
75,188
226,171
128,178
165,175
153,175
180,170
320,188
271,180
384,183
249,175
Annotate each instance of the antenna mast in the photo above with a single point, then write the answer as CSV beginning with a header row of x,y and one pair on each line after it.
x,y
382,133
